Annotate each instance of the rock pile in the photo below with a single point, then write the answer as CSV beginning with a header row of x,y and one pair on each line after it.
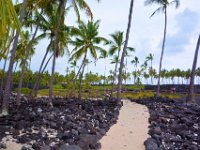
x,y
70,123
173,125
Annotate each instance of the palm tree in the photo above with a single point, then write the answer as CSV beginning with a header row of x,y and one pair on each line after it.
x,y
135,61
60,20
116,47
6,96
124,52
150,58
48,25
86,42
164,4
191,97
104,56
28,52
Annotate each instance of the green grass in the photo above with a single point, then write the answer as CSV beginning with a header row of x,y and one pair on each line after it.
x,y
132,92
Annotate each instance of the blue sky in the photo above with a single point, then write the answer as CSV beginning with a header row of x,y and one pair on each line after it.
x,y
146,33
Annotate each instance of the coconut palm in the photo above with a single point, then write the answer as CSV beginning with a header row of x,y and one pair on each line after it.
x,y
150,58
10,69
124,52
60,22
27,46
163,8
86,43
135,61
116,47
48,25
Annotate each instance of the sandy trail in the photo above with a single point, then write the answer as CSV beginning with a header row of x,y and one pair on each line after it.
x,y
131,130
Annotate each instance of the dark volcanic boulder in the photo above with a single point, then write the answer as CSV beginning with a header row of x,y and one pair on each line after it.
x,y
151,144
87,141
69,147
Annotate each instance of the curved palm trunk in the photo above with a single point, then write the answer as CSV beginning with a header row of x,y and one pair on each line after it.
x,y
114,76
40,70
39,77
80,85
62,9
16,66
74,81
151,74
2,78
29,69
162,53
105,77
6,96
124,53
23,66
191,97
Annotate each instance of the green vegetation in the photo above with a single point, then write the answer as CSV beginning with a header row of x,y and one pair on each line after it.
x,y
83,45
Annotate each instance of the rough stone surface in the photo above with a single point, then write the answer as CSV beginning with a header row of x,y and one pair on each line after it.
x,y
75,122
173,124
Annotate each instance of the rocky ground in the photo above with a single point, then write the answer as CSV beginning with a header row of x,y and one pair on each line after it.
x,y
70,124
173,125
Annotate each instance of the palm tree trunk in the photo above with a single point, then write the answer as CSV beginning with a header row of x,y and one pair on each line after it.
x,y
2,78
29,69
16,66
114,75
151,75
40,70
124,52
80,85
62,9
191,96
162,53
23,66
105,77
39,77
6,96
74,81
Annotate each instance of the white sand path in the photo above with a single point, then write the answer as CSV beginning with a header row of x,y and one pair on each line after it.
x,y
131,129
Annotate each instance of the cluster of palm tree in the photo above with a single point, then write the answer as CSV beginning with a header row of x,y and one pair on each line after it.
x,y
48,17
39,19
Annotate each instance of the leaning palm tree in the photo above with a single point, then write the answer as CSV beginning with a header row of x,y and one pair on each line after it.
x,y
48,25
86,43
163,8
6,96
124,52
60,21
116,47
191,97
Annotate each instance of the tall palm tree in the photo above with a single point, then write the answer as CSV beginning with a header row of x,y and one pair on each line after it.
x,y
6,96
29,51
135,61
48,25
61,10
163,8
191,97
116,47
124,52
86,42
150,58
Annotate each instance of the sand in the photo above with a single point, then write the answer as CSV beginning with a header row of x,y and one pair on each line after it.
x,y
131,129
